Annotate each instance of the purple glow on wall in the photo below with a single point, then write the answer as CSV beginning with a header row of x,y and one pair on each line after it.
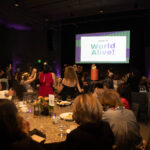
x,y
16,62
148,74
14,26
18,27
58,71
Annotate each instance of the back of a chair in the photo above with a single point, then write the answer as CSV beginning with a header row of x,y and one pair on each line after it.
x,y
135,109
4,83
148,143
142,100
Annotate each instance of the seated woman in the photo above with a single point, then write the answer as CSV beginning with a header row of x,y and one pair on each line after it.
x,y
92,132
14,130
69,84
122,121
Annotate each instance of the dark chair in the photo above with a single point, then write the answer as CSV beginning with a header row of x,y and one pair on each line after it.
x,y
148,143
4,83
135,109
142,100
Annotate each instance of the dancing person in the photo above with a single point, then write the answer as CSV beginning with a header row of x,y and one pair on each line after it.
x,y
14,130
110,73
9,75
69,84
122,121
27,80
47,81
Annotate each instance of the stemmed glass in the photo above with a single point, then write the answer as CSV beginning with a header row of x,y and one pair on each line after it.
x,y
16,102
61,127
41,123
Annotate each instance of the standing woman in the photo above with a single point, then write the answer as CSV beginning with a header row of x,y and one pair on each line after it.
x,y
47,81
70,84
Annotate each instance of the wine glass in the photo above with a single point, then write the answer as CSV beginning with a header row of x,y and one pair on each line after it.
x,y
61,127
16,102
41,123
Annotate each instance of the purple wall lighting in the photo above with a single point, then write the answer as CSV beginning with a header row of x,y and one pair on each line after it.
x,y
14,26
18,27
58,71
148,73
16,62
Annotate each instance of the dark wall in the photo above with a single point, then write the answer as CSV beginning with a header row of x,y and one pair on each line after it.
x,y
23,47
5,53
58,45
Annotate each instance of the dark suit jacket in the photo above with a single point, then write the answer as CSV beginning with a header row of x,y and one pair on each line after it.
x,y
88,137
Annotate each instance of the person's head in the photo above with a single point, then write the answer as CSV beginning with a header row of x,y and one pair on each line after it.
x,y
109,70
110,99
45,67
25,76
98,90
143,80
75,67
79,69
70,73
108,84
11,124
124,90
87,109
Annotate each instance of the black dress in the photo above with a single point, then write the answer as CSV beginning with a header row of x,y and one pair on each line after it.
x,y
68,91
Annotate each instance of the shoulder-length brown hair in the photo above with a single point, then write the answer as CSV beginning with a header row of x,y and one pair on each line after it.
x,y
110,98
87,109
11,124
70,74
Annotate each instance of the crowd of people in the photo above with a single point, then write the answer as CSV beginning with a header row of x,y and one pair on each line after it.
x,y
103,114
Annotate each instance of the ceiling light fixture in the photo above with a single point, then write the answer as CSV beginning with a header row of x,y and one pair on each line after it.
x,y
101,11
16,4
46,19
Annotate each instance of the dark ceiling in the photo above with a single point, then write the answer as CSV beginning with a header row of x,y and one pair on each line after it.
x,y
31,12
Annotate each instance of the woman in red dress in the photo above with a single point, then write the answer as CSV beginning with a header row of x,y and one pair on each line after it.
x,y
47,81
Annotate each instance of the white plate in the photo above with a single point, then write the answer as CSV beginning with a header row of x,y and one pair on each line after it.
x,y
66,116
64,103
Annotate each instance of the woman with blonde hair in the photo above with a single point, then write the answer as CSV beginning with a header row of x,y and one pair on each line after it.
x,y
69,84
122,121
92,132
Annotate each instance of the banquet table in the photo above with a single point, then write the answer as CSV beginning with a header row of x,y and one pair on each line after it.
x,y
46,123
